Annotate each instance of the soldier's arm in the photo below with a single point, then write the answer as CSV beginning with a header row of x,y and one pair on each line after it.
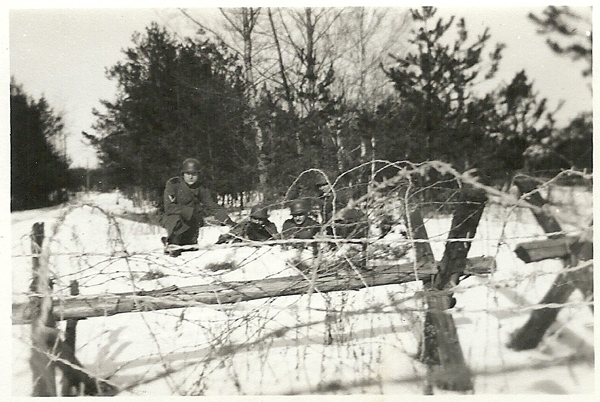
x,y
214,209
172,206
272,229
235,234
288,230
315,227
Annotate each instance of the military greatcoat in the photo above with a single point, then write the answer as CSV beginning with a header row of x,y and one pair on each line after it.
x,y
187,206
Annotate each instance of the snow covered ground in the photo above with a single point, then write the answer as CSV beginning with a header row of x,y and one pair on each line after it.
x,y
279,346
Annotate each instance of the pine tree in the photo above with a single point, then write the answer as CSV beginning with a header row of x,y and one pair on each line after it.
x,y
176,100
569,34
37,169
438,113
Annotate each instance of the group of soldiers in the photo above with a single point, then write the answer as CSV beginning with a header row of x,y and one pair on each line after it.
x,y
259,227
187,204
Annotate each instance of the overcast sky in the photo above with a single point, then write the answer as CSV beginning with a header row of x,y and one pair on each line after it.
x,y
63,53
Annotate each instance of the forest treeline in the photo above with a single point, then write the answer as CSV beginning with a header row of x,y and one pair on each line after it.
x,y
274,92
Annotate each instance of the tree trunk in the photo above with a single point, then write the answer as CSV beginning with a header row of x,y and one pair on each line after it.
x,y
287,88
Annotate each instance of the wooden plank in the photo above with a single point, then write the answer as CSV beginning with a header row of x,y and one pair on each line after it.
x,y
539,250
528,187
78,307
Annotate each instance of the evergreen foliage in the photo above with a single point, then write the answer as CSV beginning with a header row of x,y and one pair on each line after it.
x,y
568,34
567,148
438,114
175,100
191,97
38,170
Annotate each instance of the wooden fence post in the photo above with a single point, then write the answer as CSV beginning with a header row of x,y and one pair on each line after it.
x,y
428,351
530,335
70,387
455,374
48,351
441,349
43,332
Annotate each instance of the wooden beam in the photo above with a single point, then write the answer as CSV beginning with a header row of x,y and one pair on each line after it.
x,y
539,250
530,334
441,349
454,373
546,221
49,351
79,307
42,320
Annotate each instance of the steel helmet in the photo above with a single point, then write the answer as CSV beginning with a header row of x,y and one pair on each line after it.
x,y
321,181
299,207
190,165
259,212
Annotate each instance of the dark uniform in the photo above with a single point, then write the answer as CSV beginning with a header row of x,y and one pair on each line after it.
x,y
257,228
300,225
185,208
306,230
351,224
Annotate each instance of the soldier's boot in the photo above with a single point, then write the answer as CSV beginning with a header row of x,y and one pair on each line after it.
x,y
165,244
174,253
172,240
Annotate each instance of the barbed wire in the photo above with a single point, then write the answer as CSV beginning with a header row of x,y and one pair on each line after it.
x,y
254,329
291,242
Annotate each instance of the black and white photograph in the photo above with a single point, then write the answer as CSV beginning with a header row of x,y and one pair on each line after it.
x,y
365,200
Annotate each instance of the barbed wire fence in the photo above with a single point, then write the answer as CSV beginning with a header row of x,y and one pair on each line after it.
x,y
345,341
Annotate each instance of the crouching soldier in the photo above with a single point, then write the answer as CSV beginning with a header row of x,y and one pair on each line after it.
x,y
300,225
349,223
186,204
257,228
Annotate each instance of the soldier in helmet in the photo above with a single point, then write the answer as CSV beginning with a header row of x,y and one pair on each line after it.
x,y
257,228
348,222
186,204
300,225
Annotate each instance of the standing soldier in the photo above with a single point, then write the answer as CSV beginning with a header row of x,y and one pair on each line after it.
x,y
186,204
257,228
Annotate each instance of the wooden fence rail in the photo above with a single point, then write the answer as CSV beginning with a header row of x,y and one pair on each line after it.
x,y
78,307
